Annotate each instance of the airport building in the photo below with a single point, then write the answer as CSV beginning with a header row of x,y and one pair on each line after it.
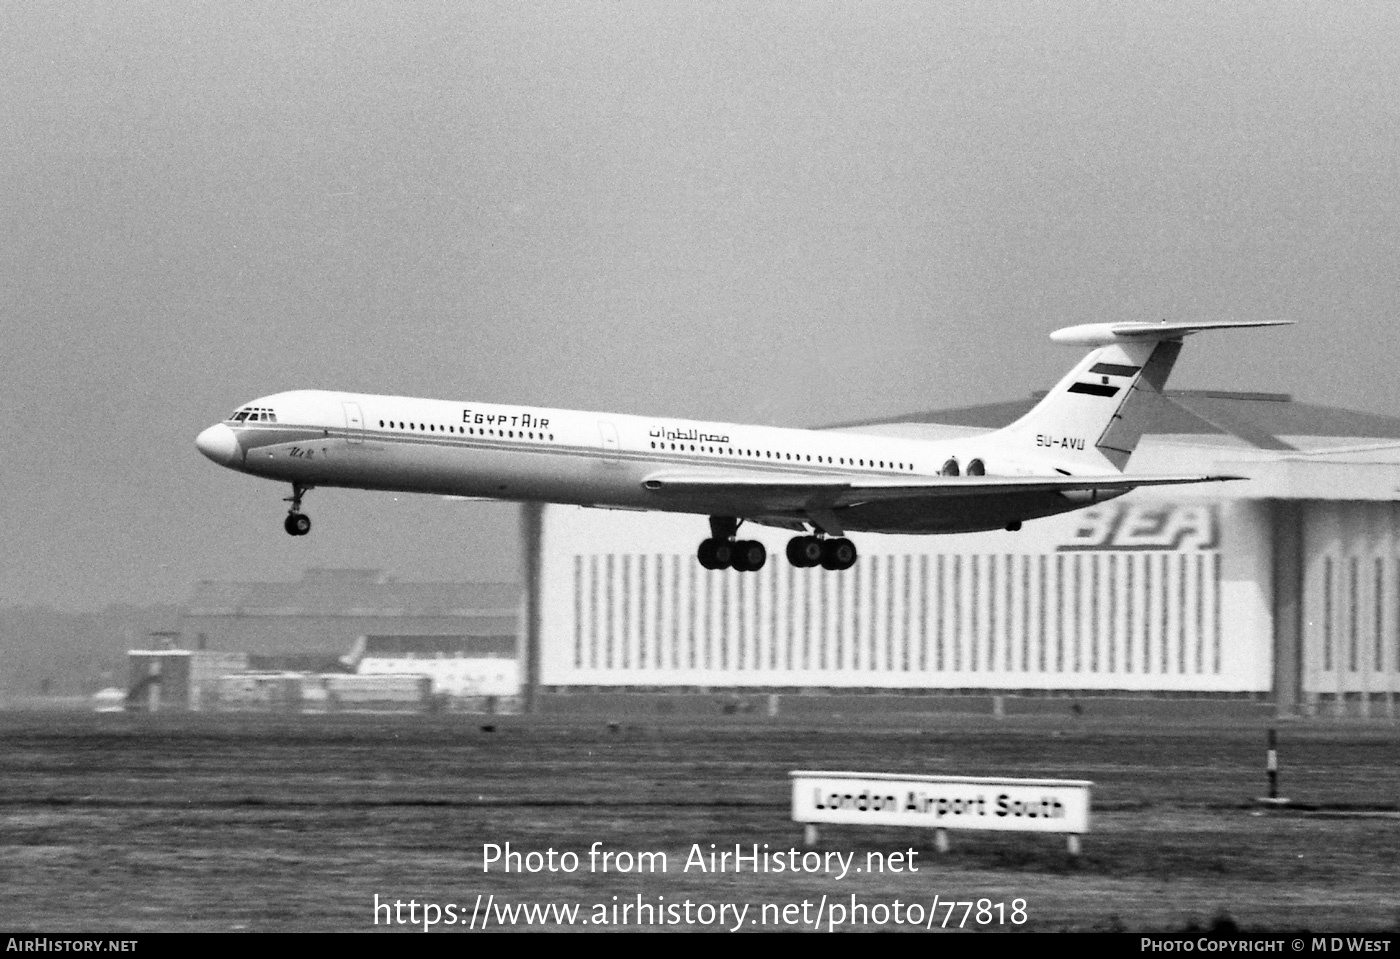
x,y
332,612
290,646
1284,586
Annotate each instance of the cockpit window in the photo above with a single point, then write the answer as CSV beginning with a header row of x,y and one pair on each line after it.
x,y
254,414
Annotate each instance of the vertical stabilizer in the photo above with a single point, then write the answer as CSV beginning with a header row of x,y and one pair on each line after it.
x,y
1093,419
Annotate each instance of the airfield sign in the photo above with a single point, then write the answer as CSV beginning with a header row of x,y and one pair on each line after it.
x,y
942,802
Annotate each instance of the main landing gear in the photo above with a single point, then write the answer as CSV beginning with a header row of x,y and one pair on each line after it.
x,y
297,523
834,554
723,551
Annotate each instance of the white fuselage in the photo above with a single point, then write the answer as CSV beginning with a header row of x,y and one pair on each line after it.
x,y
1067,452
321,439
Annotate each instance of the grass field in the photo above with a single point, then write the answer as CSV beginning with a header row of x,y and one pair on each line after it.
x,y
147,823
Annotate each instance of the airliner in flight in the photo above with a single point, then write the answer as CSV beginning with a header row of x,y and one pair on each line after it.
x,y
1068,452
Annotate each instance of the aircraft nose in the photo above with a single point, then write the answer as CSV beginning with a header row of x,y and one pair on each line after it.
x,y
219,444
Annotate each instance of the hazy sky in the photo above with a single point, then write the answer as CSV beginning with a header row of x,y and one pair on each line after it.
x,y
769,212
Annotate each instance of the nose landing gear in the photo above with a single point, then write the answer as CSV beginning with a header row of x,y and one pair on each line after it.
x,y
297,523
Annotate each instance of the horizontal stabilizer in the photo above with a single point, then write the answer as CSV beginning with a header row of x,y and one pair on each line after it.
x,y
1102,334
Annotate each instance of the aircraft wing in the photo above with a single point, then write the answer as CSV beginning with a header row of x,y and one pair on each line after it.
x,y
784,491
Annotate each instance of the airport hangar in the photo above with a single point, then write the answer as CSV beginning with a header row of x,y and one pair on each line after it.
x,y
464,635
1284,588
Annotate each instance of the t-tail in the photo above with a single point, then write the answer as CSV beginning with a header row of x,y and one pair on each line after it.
x,y
1092,420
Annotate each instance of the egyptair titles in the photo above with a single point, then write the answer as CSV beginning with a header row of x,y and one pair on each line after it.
x,y
688,436
525,420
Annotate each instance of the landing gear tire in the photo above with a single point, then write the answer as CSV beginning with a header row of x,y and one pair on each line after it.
x,y
804,551
715,554
297,523
723,551
838,554
749,555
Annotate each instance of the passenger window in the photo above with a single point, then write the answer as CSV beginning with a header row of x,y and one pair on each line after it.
x,y
976,468
950,468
